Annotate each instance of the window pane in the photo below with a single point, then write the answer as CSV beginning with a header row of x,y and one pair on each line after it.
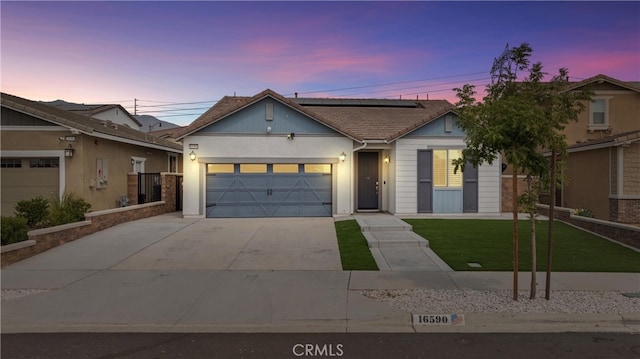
x,y
439,168
598,105
317,168
455,180
598,108
253,168
220,168
11,163
44,163
598,118
285,168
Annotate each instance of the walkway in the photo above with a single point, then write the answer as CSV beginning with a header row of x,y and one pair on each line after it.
x,y
396,247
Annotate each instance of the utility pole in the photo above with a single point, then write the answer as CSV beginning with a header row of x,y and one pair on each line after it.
x,y
135,106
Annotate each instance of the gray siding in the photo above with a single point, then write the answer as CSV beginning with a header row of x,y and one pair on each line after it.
x,y
436,128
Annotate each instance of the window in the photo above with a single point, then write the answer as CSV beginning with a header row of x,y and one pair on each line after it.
x,y
44,162
173,163
220,168
253,168
285,168
599,114
11,163
443,169
317,168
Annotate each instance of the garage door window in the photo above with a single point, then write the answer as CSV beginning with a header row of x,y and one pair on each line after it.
x,y
253,168
317,168
220,168
11,163
44,163
285,168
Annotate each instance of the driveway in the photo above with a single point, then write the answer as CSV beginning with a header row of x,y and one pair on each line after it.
x,y
169,242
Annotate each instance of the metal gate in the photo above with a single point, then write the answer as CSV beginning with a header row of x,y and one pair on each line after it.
x,y
149,187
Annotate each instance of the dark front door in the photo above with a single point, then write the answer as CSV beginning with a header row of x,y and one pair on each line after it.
x,y
368,182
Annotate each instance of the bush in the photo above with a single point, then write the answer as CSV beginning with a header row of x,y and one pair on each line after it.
x,y
584,212
14,229
35,210
68,210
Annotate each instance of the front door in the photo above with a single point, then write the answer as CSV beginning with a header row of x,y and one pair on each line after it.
x,y
368,182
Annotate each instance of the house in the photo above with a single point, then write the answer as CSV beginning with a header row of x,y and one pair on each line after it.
x,y
268,155
48,151
105,112
603,164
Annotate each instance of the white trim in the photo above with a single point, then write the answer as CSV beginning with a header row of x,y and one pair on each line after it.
x,y
53,153
133,142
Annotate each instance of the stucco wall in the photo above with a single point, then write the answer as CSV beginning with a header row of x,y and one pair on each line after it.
x,y
80,170
587,174
265,149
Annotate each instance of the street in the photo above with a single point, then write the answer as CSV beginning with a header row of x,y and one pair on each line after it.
x,y
296,345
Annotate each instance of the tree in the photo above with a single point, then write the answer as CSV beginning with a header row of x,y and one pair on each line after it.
x,y
518,119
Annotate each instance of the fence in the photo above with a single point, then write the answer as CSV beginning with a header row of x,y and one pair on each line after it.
x,y
149,187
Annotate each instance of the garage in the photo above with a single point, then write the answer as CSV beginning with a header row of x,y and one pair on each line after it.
x,y
243,190
27,178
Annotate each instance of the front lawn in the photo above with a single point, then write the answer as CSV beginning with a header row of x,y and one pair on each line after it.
x,y
489,243
354,251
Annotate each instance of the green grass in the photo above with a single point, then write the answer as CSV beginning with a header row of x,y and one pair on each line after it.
x,y
489,242
354,251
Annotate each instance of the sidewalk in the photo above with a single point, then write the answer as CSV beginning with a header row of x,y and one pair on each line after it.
x,y
276,301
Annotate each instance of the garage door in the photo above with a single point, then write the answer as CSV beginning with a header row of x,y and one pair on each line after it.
x,y
27,178
268,190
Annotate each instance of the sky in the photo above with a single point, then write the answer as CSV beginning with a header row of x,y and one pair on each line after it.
x,y
174,60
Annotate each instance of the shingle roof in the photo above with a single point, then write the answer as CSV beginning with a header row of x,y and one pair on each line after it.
x,y
84,124
359,119
633,86
607,141
89,110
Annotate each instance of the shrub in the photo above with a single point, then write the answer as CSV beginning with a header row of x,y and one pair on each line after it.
x,y
14,229
35,210
68,210
584,212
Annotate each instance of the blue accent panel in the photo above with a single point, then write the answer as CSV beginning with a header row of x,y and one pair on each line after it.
x,y
436,128
447,201
252,120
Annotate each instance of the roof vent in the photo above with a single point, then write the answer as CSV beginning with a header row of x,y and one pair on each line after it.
x,y
269,111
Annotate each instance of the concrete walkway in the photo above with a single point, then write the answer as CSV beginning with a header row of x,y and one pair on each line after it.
x,y
396,247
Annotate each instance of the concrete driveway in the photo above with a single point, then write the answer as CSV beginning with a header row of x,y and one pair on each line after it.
x,y
169,242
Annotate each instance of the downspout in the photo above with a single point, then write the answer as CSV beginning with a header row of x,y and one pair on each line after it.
x,y
353,185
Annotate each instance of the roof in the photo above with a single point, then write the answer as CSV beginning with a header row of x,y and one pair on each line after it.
x,y
607,141
86,125
633,86
359,119
90,110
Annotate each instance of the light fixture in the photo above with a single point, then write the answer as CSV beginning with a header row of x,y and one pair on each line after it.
x,y
68,152
268,129
343,156
387,159
192,156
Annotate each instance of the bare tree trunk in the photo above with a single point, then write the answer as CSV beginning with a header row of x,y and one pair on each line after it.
x,y
533,253
515,231
552,189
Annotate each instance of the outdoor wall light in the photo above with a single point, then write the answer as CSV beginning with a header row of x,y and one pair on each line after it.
x,y
343,156
68,152
387,159
268,129
192,156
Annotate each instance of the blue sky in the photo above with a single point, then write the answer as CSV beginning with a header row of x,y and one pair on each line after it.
x,y
185,52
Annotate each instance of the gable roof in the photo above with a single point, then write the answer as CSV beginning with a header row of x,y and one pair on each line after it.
x,y
603,78
86,125
359,119
90,110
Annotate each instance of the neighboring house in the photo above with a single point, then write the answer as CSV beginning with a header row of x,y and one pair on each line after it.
x,y
106,112
603,166
49,151
268,155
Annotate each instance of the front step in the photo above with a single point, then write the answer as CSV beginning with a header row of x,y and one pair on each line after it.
x,y
394,239
382,223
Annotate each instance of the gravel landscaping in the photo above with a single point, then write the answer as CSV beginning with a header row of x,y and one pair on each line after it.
x,y
430,301
8,294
